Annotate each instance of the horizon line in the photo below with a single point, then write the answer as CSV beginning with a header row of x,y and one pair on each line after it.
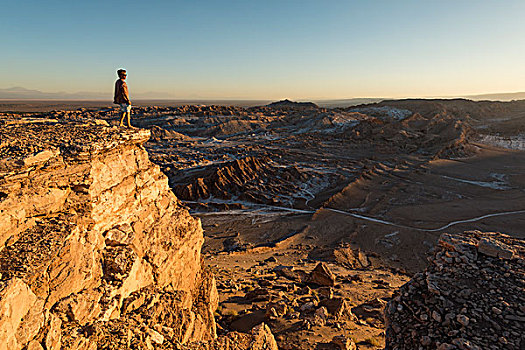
x,y
74,96
466,97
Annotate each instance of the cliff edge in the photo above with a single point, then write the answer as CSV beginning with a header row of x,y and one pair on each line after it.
x,y
95,250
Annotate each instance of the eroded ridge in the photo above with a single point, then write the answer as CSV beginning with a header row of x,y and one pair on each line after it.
x,y
96,251
470,297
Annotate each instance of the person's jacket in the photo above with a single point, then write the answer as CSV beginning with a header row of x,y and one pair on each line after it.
x,y
121,92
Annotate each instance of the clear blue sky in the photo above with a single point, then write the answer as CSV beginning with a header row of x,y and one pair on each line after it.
x,y
266,49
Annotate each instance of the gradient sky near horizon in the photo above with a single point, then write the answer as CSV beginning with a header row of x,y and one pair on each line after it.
x,y
266,49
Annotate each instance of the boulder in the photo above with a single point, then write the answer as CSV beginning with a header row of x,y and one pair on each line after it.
x,y
343,343
492,247
322,276
276,309
291,273
259,294
263,338
339,308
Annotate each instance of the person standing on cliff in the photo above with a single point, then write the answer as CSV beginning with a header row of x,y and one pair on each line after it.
x,y
122,97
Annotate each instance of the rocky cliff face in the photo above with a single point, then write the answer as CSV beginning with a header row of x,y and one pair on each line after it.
x,y
95,250
470,297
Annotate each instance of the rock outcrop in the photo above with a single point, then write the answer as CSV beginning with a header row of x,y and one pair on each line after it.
x,y
470,297
251,179
95,250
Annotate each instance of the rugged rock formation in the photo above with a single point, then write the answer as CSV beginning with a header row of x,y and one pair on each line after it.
x,y
442,136
470,297
251,179
96,251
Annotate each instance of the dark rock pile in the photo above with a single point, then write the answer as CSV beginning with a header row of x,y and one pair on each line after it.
x,y
472,296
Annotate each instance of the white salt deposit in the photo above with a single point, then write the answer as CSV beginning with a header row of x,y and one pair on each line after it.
x,y
385,112
512,142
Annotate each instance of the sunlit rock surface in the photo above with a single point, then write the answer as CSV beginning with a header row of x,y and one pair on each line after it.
x,y
96,251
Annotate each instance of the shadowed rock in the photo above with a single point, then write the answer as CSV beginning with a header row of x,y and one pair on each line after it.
x,y
470,297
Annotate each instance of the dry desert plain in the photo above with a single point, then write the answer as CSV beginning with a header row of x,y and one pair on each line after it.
x,y
364,190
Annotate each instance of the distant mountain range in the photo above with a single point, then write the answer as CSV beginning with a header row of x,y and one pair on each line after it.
x,y
498,97
291,104
347,102
21,93
358,101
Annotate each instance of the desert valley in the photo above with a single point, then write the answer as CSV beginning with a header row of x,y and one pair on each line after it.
x,y
396,225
